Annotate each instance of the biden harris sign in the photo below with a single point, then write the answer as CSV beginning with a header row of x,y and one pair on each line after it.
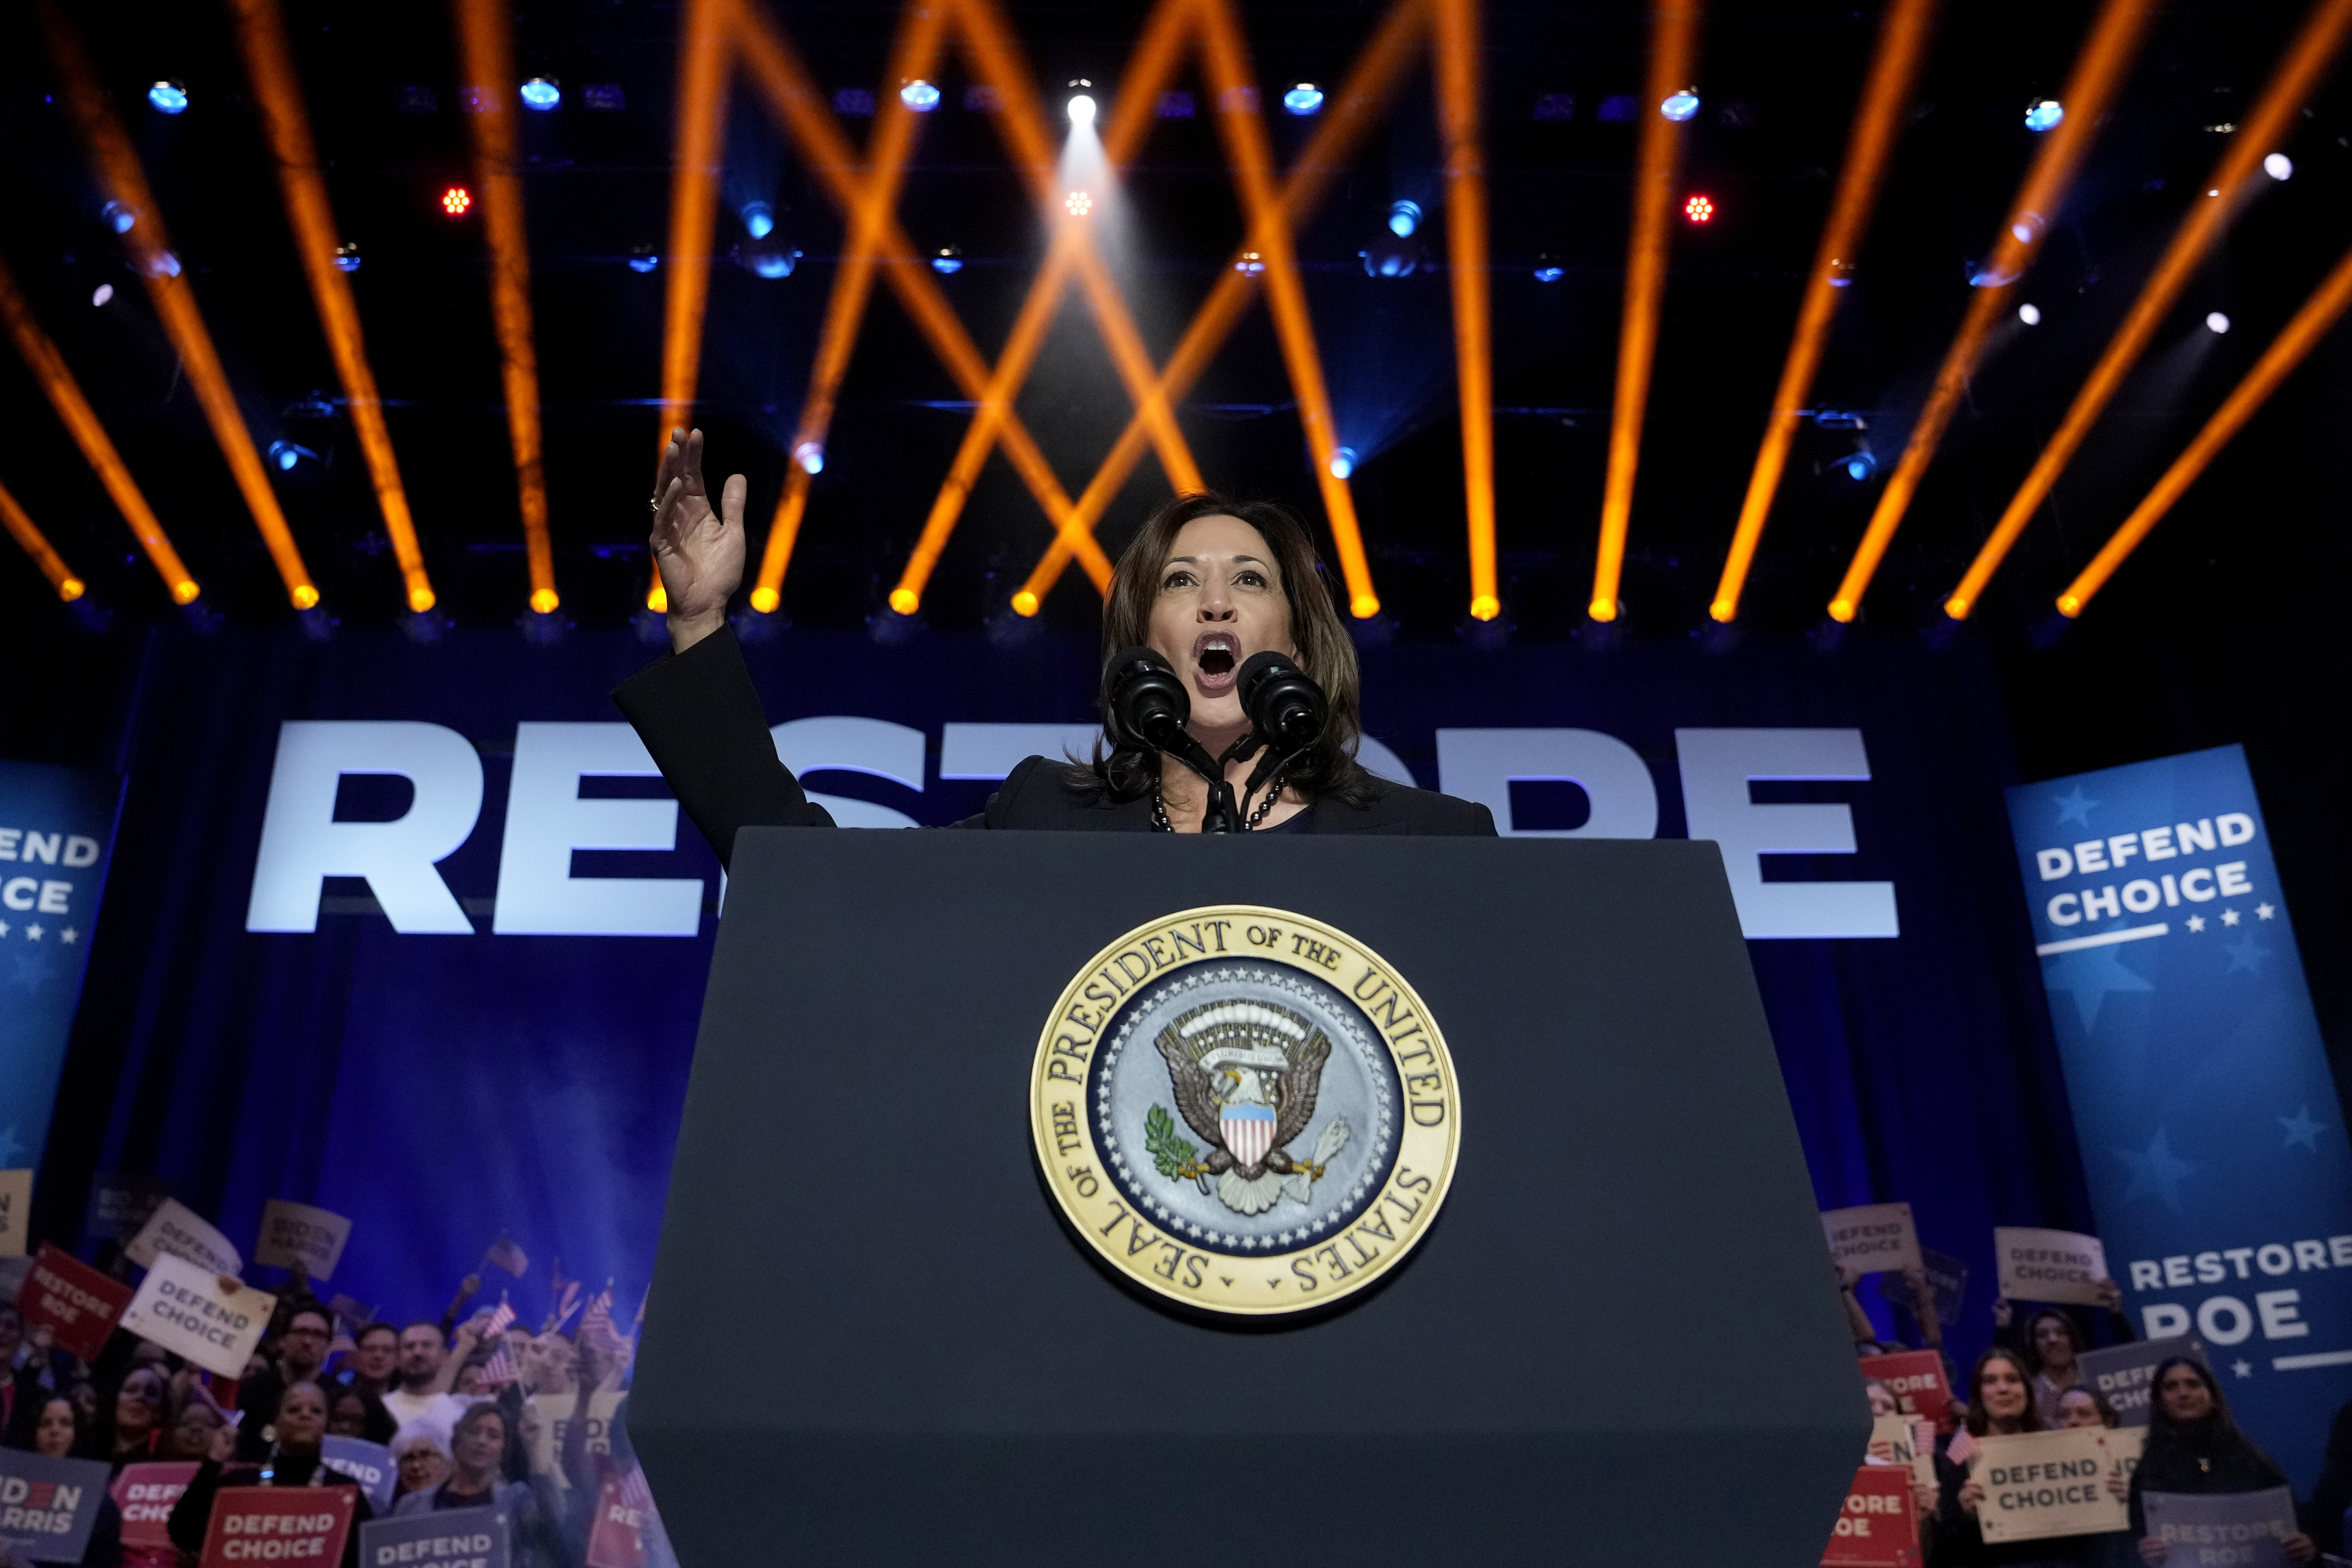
x,y
54,826
2209,1126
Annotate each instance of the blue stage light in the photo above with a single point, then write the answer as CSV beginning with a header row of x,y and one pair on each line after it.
x,y
769,257
541,93
810,457
919,96
1404,218
2044,114
1548,269
169,97
759,219
286,454
645,259
948,260
118,218
1391,258
1343,462
347,256
1679,107
1303,99
1861,465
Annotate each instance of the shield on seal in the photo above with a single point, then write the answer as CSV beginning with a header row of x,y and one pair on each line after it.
x,y
1248,1130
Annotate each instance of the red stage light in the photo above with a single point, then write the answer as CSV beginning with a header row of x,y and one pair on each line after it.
x,y
455,200
1699,209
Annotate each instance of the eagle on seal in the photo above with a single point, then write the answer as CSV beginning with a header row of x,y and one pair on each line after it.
x,y
1245,1076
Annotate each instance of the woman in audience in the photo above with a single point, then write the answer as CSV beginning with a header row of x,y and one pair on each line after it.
x,y
56,1433
2082,1406
201,1431
130,1430
478,1449
421,1456
300,1425
2000,1404
355,1413
2193,1447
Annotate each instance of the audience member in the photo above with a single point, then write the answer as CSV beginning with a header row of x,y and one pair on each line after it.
x,y
477,1451
354,1413
375,1360
2000,1404
56,1433
2194,1447
302,1343
422,1392
293,1459
199,1432
130,1430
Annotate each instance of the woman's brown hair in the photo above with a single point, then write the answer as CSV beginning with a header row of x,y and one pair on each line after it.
x,y
1324,648
1979,1423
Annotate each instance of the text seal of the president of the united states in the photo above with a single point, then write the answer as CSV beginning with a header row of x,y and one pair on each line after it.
x,y
1246,1110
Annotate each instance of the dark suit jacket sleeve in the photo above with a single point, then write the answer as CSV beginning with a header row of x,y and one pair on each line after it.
x,y
699,716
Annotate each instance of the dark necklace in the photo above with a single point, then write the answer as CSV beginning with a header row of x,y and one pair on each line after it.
x,y
1160,823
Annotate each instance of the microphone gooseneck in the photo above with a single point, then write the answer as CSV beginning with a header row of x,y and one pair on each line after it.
x,y
1146,705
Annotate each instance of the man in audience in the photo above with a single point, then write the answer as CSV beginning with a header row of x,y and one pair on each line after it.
x,y
375,1360
301,1352
422,1395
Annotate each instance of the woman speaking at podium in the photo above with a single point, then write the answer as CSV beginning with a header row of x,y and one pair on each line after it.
x,y
1231,690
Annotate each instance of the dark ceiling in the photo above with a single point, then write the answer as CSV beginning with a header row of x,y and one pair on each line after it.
x,y
1778,83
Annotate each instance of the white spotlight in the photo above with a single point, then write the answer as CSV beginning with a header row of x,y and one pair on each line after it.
x,y
1082,109
2279,166
2029,313
101,294
2217,323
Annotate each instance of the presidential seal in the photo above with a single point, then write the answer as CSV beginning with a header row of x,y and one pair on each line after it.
x,y
1244,1110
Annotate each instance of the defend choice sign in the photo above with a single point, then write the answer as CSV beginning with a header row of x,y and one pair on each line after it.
x,y
2124,1375
2048,1265
2239,1529
174,1228
1873,1239
47,1505
460,1538
74,1301
298,1237
302,1527
2053,1483
183,1307
146,1494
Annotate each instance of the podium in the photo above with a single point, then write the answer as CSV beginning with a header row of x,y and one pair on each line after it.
x,y
876,1336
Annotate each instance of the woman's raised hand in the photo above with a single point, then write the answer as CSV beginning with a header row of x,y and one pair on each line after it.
x,y
700,551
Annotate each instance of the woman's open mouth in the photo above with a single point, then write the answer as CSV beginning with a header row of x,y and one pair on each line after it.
x,y
1215,658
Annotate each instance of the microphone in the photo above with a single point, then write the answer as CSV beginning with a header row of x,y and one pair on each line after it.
x,y
1288,707
1146,704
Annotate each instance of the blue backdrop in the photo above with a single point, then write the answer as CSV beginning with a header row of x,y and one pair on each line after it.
x,y
55,825
442,1089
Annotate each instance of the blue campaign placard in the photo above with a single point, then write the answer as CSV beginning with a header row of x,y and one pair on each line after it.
x,y
48,1507
2209,1126
446,1538
57,829
370,1464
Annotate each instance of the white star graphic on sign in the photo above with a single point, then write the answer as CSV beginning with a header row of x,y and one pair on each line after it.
x,y
4,928
2195,923
70,936
2229,917
2242,1368
2264,910
33,932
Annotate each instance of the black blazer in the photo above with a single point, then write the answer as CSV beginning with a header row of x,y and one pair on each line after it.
x,y
699,716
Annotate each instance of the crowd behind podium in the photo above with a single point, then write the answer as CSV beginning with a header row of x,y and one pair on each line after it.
x,y
478,1407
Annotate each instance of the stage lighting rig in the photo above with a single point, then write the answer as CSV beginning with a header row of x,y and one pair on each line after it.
x,y
919,96
1404,218
169,98
948,260
1082,102
759,219
1389,257
1860,464
456,201
1343,462
2044,114
347,256
810,456
2029,313
119,218
1548,269
101,294
1079,203
2216,322
644,258
285,455
1681,106
1303,99
1699,209
770,257
2279,166
541,93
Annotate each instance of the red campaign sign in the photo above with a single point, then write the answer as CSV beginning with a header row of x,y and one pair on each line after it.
x,y
615,1541
1916,1378
145,1494
299,1527
72,1300
1877,1527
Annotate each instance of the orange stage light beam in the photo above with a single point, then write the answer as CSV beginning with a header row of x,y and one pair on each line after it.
x,y
48,368
777,70
53,566
486,50
1673,50
703,61
1348,113
914,54
1901,42
277,93
2091,89
2297,77
118,172
1225,62
1465,236
2301,335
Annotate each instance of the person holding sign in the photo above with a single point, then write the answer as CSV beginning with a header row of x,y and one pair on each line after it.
x,y
57,1435
2000,1404
1205,585
294,1459
478,1451
2050,1343
2195,1448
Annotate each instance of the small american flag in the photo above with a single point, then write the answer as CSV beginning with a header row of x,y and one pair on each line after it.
x,y
496,1323
596,1322
633,1491
505,1255
500,1370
